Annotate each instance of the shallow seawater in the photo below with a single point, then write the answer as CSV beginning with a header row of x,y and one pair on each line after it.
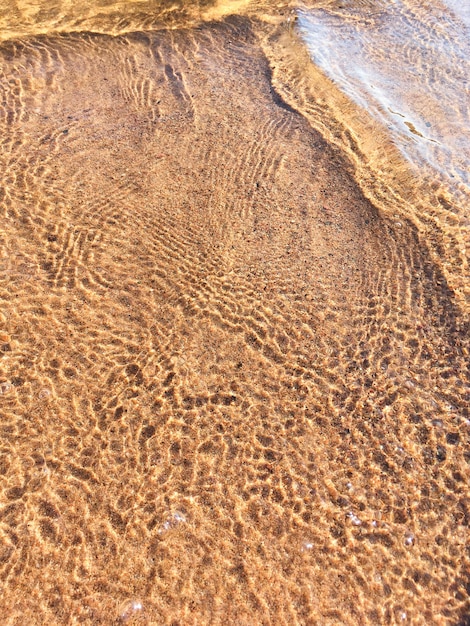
x,y
407,63
234,332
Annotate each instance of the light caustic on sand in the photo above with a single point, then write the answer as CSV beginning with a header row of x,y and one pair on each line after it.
x,y
232,364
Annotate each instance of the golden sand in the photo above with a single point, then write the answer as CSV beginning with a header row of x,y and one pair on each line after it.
x,y
233,375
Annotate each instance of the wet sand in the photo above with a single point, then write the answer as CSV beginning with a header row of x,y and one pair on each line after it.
x,y
233,388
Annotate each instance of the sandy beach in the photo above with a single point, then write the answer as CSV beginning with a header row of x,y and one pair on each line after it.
x,y
233,387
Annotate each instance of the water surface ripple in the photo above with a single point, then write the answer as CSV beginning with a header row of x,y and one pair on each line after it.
x,y
234,338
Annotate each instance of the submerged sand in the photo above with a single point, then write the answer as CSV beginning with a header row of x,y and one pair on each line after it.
x,y
233,389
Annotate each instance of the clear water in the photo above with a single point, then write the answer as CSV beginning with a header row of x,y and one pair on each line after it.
x,y
234,332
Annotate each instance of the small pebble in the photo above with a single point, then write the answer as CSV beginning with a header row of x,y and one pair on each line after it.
x,y
5,388
409,539
129,609
174,520
354,519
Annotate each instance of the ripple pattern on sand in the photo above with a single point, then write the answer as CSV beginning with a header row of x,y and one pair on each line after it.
x,y
233,390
